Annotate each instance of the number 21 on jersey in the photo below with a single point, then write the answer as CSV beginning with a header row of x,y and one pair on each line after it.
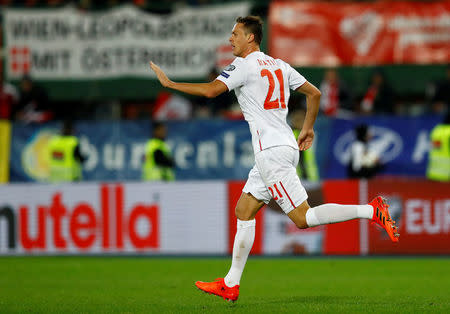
x,y
274,104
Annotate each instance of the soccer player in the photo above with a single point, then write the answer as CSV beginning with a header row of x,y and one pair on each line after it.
x,y
262,84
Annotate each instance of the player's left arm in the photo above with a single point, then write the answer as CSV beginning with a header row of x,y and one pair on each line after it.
x,y
210,90
306,136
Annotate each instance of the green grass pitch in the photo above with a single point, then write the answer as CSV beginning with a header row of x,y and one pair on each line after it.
x,y
269,285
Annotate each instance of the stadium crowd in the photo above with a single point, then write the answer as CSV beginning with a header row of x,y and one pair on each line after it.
x,y
28,101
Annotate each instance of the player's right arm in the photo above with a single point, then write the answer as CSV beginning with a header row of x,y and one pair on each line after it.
x,y
312,93
210,90
298,83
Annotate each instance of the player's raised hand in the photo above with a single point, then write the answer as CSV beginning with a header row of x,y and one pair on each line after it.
x,y
305,139
162,77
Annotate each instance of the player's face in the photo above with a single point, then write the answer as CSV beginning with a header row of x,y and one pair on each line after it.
x,y
238,39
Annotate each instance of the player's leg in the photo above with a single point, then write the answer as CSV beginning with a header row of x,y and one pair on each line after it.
x,y
377,210
305,216
277,166
254,195
246,209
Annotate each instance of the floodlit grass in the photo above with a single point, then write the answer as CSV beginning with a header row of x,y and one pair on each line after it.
x,y
269,285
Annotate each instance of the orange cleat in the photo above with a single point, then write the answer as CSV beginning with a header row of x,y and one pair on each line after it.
x,y
381,217
220,289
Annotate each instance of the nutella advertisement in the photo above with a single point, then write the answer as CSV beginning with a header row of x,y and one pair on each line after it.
x,y
154,218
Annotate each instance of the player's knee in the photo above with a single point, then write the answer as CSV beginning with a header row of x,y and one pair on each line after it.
x,y
301,224
298,216
242,214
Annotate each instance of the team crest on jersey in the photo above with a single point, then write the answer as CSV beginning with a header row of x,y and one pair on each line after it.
x,y
230,68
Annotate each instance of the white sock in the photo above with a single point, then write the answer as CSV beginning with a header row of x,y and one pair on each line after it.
x,y
332,213
243,242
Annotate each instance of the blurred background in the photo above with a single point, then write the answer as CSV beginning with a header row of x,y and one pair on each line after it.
x,y
97,157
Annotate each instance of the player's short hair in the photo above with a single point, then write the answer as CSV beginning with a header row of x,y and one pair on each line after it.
x,y
253,24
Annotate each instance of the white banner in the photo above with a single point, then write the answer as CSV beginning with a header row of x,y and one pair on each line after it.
x,y
150,218
70,44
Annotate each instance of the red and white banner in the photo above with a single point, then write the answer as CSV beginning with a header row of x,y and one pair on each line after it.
x,y
331,34
179,218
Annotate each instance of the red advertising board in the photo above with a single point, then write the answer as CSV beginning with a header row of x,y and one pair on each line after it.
x,y
330,34
342,238
422,210
420,207
234,192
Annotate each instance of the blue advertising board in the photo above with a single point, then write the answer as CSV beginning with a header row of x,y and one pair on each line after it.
x,y
115,150
215,149
402,143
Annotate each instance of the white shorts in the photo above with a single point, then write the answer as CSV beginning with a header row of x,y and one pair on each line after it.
x,y
274,176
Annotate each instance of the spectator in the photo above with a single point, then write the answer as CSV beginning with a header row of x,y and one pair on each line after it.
x,y
65,158
379,97
8,99
158,165
439,156
440,100
33,103
334,94
364,162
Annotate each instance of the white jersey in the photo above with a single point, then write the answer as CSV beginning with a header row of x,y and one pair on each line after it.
x,y
262,84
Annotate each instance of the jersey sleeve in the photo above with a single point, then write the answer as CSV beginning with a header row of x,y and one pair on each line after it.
x,y
295,79
234,75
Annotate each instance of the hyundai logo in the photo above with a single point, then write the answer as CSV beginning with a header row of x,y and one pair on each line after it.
x,y
385,142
